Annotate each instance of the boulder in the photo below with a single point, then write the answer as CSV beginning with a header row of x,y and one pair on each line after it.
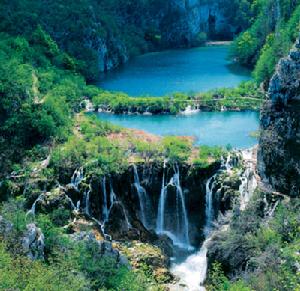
x,y
33,242
102,248
5,227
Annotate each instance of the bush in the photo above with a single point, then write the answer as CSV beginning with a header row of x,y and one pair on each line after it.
x,y
22,274
177,150
208,155
14,212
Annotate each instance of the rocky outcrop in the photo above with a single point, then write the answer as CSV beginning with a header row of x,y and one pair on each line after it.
x,y
102,248
279,149
5,227
33,242
185,20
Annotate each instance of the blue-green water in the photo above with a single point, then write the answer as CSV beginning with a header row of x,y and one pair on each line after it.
x,y
188,70
209,128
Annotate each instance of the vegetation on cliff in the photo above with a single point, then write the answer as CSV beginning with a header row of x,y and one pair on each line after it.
x,y
273,31
260,251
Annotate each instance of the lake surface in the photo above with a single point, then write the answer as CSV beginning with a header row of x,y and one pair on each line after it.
x,y
208,128
189,70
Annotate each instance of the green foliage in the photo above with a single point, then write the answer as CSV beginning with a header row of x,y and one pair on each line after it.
x,y
22,274
177,150
260,243
13,211
90,148
276,46
38,96
270,36
207,155
247,96
81,27
146,150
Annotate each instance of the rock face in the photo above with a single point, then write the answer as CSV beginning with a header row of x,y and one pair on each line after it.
x,y
279,149
33,242
171,24
5,227
185,19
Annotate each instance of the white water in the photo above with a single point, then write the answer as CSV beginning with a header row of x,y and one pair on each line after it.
x,y
180,232
192,272
209,205
144,202
33,207
248,179
161,205
112,198
77,177
189,110
87,201
104,206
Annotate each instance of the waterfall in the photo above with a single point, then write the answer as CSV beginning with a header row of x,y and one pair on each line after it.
x,y
104,206
33,207
77,177
179,235
71,202
248,180
209,211
145,205
87,201
193,270
161,205
112,198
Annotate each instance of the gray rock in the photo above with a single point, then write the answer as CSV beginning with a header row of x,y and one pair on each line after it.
x,y
33,242
104,248
5,227
279,148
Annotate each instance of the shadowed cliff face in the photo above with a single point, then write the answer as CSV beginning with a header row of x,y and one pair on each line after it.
x,y
279,150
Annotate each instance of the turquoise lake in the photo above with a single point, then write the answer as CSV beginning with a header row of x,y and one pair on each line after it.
x,y
209,128
187,70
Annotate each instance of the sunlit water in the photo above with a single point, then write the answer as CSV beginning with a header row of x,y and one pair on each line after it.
x,y
189,70
208,128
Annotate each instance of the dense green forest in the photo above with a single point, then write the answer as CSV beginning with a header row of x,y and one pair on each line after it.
x,y
48,63
274,27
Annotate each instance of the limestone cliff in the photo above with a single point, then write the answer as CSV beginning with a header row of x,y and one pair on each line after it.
x,y
279,150
184,20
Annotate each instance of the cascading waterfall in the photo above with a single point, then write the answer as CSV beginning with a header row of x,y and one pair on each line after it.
x,y
104,206
248,180
112,198
193,270
209,205
180,235
33,207
144,202
87,201
161,205
77,177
